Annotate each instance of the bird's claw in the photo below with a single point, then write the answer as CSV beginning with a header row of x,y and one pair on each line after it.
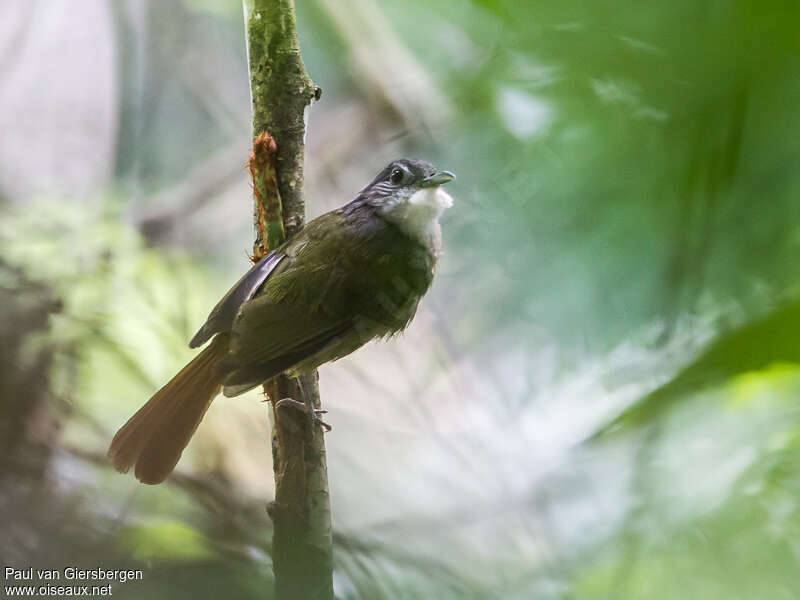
x,y
302,407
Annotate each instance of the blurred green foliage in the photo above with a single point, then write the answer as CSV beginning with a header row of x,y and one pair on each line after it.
x,y
165,542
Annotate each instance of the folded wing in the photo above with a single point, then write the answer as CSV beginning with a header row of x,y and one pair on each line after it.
x,y
224,313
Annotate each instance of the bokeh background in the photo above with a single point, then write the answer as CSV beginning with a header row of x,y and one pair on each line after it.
x,y
599,395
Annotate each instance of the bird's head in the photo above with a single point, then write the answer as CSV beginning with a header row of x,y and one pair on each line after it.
x,y
408,193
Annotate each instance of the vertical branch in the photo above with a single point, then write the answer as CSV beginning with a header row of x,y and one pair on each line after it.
x,y
281,91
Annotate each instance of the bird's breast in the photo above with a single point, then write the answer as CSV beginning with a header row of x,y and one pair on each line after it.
x,y
392,273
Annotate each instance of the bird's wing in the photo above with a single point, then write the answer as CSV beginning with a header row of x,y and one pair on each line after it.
x,y
224,313
226,310
305,306
267,328
248,375
272,334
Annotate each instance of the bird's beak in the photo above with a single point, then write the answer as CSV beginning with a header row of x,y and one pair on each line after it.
x,y
438,179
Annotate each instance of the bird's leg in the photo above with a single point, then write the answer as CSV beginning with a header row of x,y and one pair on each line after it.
x,y
303,407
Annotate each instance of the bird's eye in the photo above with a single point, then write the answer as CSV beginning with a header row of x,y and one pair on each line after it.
x,y
396,176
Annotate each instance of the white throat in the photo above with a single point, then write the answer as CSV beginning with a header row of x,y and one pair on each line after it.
x,y
419,216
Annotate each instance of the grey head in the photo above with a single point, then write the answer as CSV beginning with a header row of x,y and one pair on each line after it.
x,y
401,178
407,192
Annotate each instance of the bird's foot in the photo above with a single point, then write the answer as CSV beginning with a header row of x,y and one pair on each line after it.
x,y
302,407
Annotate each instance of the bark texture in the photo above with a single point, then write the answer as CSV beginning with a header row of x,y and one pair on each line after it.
x,y
281,91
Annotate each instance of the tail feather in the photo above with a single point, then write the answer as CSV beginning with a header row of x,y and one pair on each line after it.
x,y
153,439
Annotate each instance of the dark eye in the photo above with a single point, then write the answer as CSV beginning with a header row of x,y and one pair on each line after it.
x,y
396,176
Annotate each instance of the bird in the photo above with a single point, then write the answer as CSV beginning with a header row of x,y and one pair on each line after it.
x,y
349,276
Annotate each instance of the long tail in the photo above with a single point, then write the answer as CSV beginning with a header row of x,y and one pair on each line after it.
x,y
154,438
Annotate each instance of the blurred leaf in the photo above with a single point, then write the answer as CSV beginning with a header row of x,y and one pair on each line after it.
x,y
769,341
167,541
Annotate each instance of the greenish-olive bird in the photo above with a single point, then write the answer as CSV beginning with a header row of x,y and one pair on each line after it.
x,y
349,276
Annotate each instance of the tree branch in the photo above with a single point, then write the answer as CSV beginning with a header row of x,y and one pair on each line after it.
x,y
281,91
